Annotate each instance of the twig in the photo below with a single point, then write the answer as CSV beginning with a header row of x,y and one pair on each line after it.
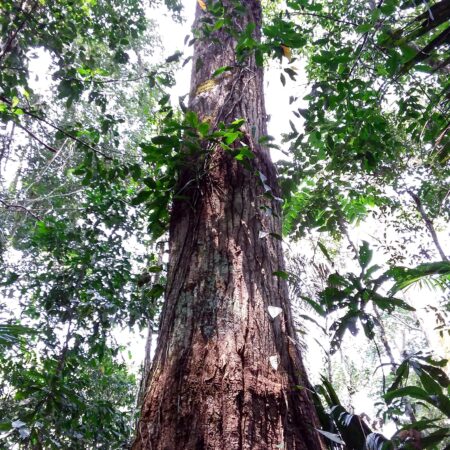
x,y
52,195
39,177
406,324
6,149
48,147
363,44
57,128
10,41
323,16
428,223
381,365
21,207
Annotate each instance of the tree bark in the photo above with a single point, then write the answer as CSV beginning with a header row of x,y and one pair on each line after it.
x,y
225,374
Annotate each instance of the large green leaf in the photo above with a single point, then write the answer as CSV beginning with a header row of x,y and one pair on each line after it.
x,y
404,276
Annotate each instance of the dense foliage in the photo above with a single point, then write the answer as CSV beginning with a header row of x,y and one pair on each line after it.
x,y
89,158
70,169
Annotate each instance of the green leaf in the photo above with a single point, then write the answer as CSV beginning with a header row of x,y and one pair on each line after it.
x,y
333,397
203,128
324,251
388,303
192,119
437,374
156,291
435,362
250,28
434,438
292,73
11,278
429,384
221,70
11,334
5,426
236,124
164,140
175,57
404,276
314,321
316,306
164,100
347,322
243,153
407,53
400,303
219,24
411,391
121,57
331,436
371,270
141,197
364,28
442,402
281,274
259,58
400,374
231,136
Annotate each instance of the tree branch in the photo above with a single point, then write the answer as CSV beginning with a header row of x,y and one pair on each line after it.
x,y
48,147
21,207
428,223
12,37
57,128
323,16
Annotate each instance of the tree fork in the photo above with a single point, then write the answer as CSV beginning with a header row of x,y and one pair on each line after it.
x,y
225,374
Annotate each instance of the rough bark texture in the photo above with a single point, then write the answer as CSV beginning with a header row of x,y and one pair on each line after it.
x,y
212,384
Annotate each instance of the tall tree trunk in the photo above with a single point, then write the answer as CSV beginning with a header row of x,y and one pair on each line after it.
x,y
225,374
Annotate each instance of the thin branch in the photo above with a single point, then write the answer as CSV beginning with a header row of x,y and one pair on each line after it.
x,y
57,128
91,80
39,177
442,135
12,37
428,223
6,148
48,147
365,39
21,207
381,365
383,337
323,16
406,324
444,200
52,195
